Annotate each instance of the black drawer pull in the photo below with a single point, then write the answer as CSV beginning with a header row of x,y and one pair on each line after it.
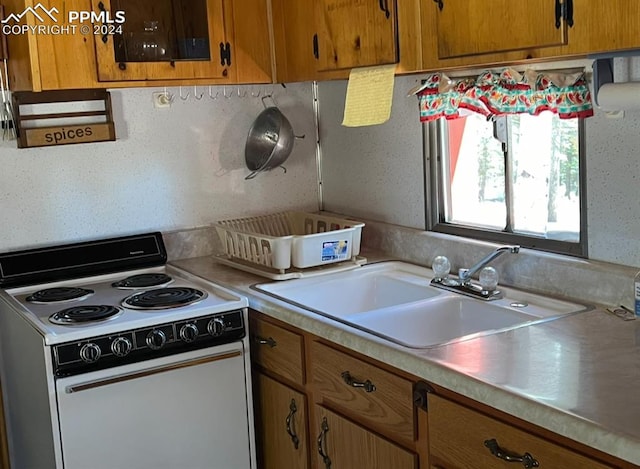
x,y
262,341
367,385
527,460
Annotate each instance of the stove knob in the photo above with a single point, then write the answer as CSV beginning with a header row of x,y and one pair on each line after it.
x,y
156,339
189,332
90,353
216,327
121,346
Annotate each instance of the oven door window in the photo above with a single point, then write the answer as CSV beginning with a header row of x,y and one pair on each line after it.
x,y
185,410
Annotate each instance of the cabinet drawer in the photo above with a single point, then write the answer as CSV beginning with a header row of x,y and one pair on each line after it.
x,y
277,350
457,437
376,396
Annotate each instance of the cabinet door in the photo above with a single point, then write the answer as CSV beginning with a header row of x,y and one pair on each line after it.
x,y
281,422
51,61
160,40
293,31
462,438
604,26
356,33
471,27
343,444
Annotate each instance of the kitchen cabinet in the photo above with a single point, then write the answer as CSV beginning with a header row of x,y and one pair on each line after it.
x,y
356,33
281,410
180,40
321,40
352,411
471,27
370,425
281,421
473,33
77,60
463,438
342,443
50,61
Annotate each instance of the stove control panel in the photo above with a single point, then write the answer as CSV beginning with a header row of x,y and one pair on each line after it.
x,y
132,346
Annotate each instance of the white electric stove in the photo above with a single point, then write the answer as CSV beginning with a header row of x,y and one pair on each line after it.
x,y
111,358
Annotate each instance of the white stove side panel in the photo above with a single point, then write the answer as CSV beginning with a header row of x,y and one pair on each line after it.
x,y
28,393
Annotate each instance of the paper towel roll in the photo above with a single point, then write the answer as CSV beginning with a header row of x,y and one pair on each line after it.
x,y
619,96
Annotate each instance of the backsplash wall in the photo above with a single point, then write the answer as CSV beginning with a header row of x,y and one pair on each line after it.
x,y
169,169
377,172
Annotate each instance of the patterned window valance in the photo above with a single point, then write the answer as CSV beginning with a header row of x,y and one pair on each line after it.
x,y
505,92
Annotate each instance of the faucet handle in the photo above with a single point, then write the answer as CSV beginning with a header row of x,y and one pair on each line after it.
x,y
488,279
441,267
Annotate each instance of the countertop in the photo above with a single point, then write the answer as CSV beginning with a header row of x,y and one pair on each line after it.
x,y
578,376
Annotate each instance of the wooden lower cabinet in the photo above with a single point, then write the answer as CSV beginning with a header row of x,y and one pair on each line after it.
x,y
344,445
281,422
354,412
462,438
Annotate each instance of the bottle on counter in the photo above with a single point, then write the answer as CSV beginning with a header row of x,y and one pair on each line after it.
x,y
636,291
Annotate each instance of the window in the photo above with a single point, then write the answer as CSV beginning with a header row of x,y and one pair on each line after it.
x,y
513,179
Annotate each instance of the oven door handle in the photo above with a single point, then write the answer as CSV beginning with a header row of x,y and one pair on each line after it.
x,y
149,372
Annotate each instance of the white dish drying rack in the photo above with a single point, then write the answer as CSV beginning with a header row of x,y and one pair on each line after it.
x,y
290,244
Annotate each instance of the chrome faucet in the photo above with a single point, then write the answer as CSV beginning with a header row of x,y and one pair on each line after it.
x,y
465,274
464,285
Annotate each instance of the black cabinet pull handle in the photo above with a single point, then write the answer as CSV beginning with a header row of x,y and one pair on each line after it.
x,y
569,12
367,385
322,443
316,49
440,4
526,459
558,14
384,6
290,431
262,341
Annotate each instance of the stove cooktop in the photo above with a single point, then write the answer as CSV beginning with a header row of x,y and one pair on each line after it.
x,y
90,306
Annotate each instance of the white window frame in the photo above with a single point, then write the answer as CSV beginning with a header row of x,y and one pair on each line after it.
x,y
435,140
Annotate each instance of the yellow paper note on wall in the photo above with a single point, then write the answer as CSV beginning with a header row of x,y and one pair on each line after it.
x,y
369,96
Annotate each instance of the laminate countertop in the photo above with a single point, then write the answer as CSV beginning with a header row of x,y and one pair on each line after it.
x,y
578,376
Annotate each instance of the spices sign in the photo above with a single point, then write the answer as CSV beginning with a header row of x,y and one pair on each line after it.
x,y
49,118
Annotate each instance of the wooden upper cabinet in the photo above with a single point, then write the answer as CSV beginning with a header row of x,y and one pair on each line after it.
x,y
604,26
356,33
168,39
470,27
293,32
50,61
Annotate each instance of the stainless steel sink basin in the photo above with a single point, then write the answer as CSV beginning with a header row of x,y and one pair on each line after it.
x,y
394,300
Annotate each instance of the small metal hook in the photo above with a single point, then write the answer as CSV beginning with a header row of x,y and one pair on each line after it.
x,y
241,95
184,98
195,93
168,95
255,95
212,96
224,92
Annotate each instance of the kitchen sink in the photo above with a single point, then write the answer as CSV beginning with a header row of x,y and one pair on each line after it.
x,y
394,300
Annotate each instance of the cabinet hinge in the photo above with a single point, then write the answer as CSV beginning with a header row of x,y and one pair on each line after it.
x,y
564,11
225,54
316,49
420,391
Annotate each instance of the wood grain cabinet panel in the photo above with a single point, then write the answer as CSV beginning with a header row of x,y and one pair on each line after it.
x,y
281,423
343,444
380,399
471,27
457,437
277,350
356,33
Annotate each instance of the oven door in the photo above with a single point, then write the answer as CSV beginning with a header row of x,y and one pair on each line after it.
x,y
183,411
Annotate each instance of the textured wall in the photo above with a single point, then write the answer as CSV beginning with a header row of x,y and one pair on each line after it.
x,y
169,169
373,172
377,172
